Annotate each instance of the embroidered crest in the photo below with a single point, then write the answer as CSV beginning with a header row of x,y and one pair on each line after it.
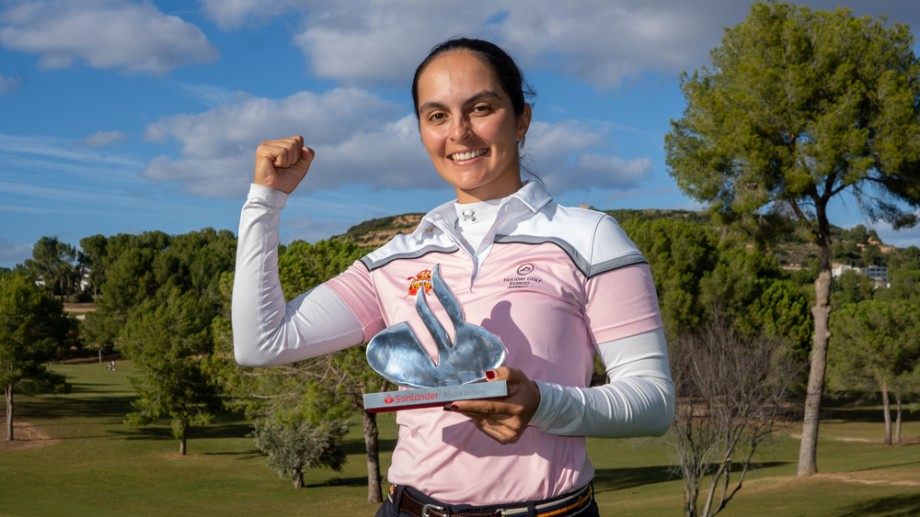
x,y
423,278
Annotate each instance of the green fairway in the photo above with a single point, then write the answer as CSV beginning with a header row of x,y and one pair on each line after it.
x,y
74,456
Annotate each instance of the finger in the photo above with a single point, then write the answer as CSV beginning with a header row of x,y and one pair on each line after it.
x,y
306,158
289,151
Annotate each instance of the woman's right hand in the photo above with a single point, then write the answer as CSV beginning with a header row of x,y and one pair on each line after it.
x,y
282,164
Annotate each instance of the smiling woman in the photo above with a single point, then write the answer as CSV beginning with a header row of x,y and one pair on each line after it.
x,y
557,285
469,127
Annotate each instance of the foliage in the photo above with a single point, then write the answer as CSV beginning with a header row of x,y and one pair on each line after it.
x,y
303,265
158,300
781,312
680,253
731,390
168,344
32,328
851,287
798,107
876,345
293,447
52,264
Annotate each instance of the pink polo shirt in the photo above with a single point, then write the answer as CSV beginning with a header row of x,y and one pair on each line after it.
x,y
555,283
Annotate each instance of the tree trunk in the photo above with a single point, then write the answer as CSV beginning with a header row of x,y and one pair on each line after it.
x,y
297,479
886,407
808,448
182,441
9,412
897,421
374,492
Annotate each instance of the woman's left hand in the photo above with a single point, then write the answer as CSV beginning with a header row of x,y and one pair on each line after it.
x,y
503,418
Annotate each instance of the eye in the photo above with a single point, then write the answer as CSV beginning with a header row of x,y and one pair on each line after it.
x,y
482,109
436,116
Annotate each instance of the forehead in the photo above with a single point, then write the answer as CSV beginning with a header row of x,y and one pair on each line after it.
x,y
457,72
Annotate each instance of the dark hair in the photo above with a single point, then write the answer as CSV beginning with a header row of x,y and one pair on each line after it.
x,y
507,71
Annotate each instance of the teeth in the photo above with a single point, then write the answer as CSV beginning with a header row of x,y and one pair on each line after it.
x,y
469,155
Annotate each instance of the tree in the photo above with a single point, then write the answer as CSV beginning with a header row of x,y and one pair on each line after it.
x,y
299,445
851,287
876,345
343,376
92,259
169,344
799,107
730,392
680,253
318,391
52,264
32,326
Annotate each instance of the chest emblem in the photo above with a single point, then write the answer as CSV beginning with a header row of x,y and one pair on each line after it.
x,y
523,277
422,279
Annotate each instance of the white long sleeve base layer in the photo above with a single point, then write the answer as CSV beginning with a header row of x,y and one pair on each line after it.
x,y
636,401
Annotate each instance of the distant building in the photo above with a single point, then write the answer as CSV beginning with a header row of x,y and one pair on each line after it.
x,y
878,274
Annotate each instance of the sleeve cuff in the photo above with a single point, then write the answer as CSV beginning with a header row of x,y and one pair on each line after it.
x,y
267,196
547,395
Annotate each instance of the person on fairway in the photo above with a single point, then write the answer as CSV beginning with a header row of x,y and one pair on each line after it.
x,y
558,286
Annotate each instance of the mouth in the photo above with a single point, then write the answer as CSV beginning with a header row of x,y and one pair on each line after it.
x,y
468,155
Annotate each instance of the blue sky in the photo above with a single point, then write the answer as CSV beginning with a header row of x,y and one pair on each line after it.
x,y
123,116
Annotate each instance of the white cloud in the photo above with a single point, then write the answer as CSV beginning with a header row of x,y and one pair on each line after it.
x,y
602,42
352,131
232,14
899,238
385,41
360,139
103,139
569,158
117,34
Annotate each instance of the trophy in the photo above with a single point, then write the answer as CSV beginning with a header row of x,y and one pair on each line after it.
x,y
397,355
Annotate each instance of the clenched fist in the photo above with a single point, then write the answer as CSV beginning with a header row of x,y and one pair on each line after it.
x,y
282,164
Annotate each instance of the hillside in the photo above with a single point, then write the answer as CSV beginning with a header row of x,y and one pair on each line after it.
x,y
792,246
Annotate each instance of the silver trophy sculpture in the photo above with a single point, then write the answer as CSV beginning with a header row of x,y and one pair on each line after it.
x,y
397,355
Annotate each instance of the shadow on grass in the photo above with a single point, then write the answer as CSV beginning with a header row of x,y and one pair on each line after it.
x,y
893,506
870,415
160,431
611,480
53,407
357,446
351,482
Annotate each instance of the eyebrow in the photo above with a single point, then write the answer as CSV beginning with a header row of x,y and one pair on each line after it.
x,y
484,94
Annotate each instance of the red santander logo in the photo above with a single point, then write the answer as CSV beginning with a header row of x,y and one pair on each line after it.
x,y
388,400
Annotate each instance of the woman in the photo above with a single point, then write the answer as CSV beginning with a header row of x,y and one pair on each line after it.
x,y
557,285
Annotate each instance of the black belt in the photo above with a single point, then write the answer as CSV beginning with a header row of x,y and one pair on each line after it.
x,y
558,506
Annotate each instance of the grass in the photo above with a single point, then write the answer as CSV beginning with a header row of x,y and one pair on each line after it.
x,y
74,456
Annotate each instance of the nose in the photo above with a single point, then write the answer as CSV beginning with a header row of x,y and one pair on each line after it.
x,y
461,129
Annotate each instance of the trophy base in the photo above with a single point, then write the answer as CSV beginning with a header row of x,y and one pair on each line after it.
x,y
432,397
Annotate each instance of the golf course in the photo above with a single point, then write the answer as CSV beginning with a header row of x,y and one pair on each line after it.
x,y
73,455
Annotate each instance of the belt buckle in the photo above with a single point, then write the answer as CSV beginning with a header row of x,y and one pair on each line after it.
x,y
434,507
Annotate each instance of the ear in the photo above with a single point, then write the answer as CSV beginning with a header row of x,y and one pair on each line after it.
x,y
523,122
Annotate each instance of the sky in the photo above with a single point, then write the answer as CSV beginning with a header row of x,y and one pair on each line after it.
x,y
126,116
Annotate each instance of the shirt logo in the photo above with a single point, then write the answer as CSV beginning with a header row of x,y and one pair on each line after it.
x,y
423,278
523,277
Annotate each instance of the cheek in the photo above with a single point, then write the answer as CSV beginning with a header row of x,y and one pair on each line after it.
x,y
432,141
